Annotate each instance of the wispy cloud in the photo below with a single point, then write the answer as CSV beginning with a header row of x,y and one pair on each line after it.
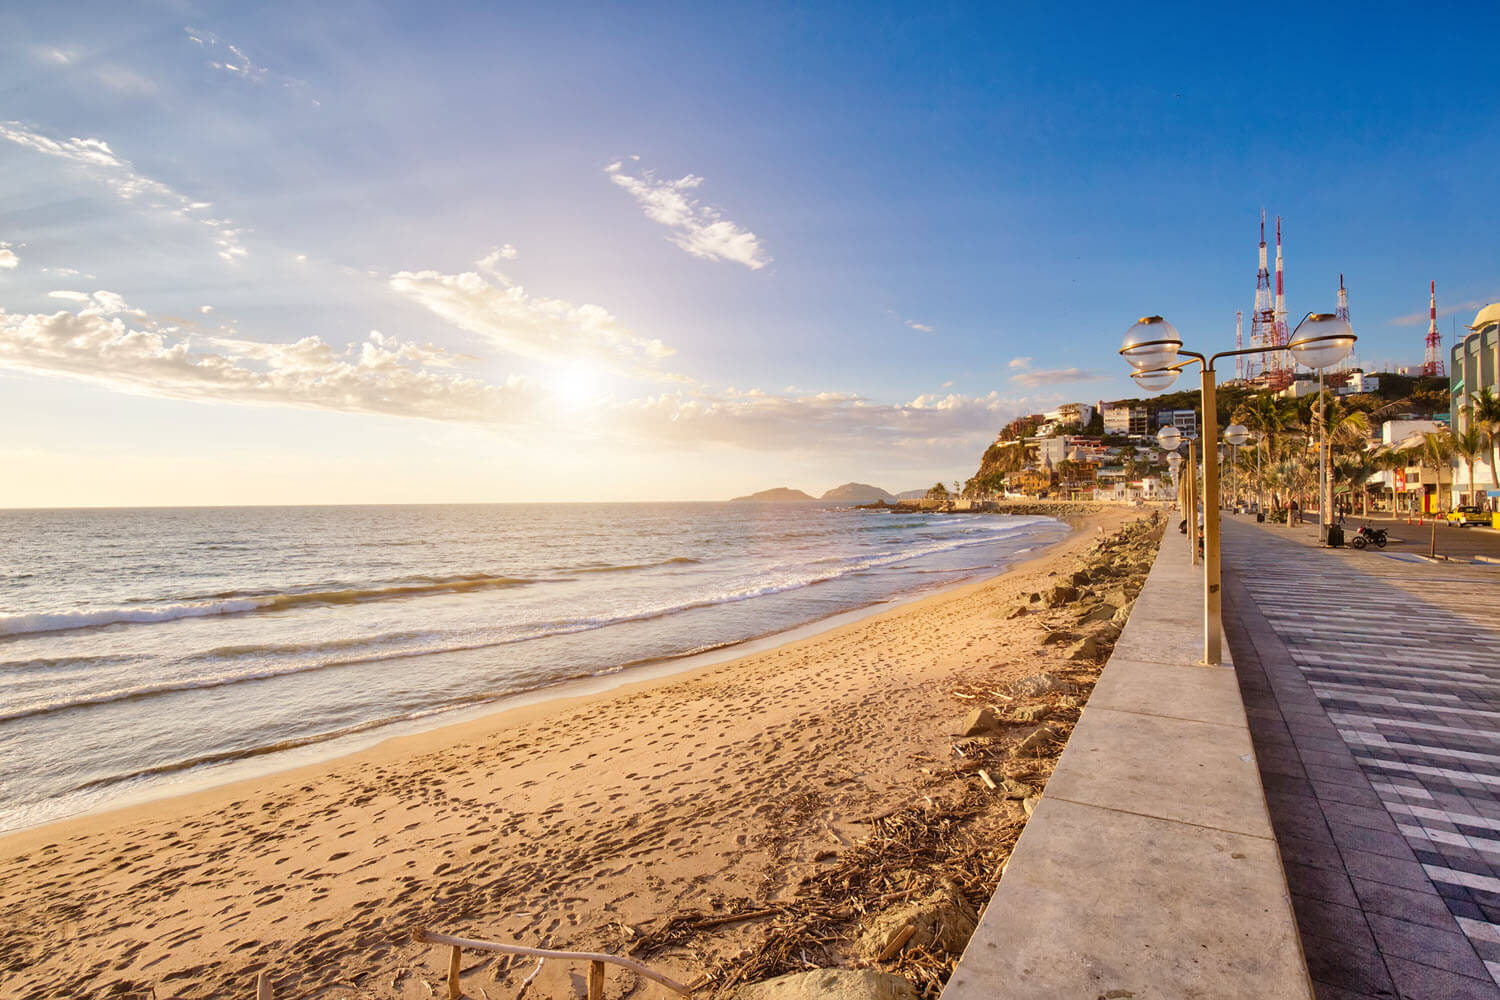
x,y
697,228
231,59
381,375
1420,318
1020,364
1053,376
544,329
814,421
121,79
100,162
105,341
922,327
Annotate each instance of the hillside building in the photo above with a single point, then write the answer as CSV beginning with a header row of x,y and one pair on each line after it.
x,y
1474,365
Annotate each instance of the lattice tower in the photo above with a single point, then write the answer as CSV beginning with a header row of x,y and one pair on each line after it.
x,y
1263,318
1432,364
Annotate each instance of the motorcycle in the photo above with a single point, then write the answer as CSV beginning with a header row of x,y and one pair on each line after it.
x,y
1367,535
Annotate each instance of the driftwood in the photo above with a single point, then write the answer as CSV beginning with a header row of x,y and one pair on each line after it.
x,y
425,936
897,943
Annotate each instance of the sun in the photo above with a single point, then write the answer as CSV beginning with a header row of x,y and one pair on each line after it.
x,y
576,388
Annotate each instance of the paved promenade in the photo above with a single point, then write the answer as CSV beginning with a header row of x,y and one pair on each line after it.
x,y
1372,685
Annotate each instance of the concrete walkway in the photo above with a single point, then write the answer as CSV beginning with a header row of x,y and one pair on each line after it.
x,y
1372,686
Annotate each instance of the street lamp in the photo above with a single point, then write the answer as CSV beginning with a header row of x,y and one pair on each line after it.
x,y
1152,347
1320,341
1235,435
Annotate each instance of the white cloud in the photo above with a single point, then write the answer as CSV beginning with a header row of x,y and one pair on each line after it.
x,y
101,162
231,59
532,327
380,375
1054,375
1020,363
923,327
1425,316
814,421
699,229
8,259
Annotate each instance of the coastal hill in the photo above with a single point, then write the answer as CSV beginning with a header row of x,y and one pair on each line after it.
x,y
857,493
780,494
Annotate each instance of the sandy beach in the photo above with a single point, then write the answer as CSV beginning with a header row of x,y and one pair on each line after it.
x,y
586,823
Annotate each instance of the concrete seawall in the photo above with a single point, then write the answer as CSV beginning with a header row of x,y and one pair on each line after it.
x,y
1149,868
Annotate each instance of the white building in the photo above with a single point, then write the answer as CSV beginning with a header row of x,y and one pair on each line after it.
x,y
1070,413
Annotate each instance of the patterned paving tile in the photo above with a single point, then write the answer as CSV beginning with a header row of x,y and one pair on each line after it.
x,y
1403,761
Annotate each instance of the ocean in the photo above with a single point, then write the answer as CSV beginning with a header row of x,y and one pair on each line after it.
x,y
146,651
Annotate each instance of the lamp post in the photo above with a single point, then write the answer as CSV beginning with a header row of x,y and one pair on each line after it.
x,y
1152,347
1235,435
1170,439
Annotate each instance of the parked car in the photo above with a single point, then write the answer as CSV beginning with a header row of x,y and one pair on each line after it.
x,y
1469,515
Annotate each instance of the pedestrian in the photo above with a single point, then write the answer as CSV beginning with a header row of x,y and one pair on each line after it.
x,y
1296,512
1343,510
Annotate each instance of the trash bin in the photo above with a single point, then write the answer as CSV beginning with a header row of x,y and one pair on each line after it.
x,y
1335,536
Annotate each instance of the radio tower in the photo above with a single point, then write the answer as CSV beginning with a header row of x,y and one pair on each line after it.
x,y
1263,319
1239,344
1280,376
1350,362
1433,363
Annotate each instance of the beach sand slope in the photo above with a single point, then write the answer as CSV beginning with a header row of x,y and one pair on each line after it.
x,y
585,823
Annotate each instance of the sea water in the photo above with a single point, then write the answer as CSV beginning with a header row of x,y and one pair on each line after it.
x,y
142,649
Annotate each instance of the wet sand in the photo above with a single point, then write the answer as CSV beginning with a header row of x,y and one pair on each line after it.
x,y
574,823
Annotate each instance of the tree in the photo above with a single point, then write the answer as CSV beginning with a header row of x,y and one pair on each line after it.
x,y
1469,444
937,492
1436,451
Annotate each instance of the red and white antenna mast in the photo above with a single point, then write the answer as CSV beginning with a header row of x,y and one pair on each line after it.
x,y
1263,319
1280,375
1433,363
1239,344
1350,362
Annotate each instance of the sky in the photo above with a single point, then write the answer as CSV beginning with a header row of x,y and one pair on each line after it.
x,y
412,253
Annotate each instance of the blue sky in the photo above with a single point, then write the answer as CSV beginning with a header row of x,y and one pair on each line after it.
x,y
681,251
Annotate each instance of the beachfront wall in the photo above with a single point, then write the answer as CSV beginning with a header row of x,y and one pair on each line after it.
x,y
1149,868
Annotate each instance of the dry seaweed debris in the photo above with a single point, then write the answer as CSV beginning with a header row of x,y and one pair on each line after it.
x,y
906,855
956,836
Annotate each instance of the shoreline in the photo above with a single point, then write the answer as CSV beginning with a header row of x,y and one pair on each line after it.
x,y
552,821
262,765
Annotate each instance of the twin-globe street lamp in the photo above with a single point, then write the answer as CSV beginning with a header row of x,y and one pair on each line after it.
x,y
1152,346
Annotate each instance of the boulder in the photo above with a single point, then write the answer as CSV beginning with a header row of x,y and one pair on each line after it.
x,y
1058,637
830,984
1061,594
1122,615
1037,685
1019,611
1100,613
943,921
1086,648
1030,804
1036,740
1117,598
1031,713
981,722
1079,578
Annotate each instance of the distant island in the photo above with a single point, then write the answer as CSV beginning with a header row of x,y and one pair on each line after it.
x,y
857,493
780,494
847,493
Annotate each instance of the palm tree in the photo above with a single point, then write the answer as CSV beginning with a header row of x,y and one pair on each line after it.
x,y
1469,444
1485,411
1391,459
1436,450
